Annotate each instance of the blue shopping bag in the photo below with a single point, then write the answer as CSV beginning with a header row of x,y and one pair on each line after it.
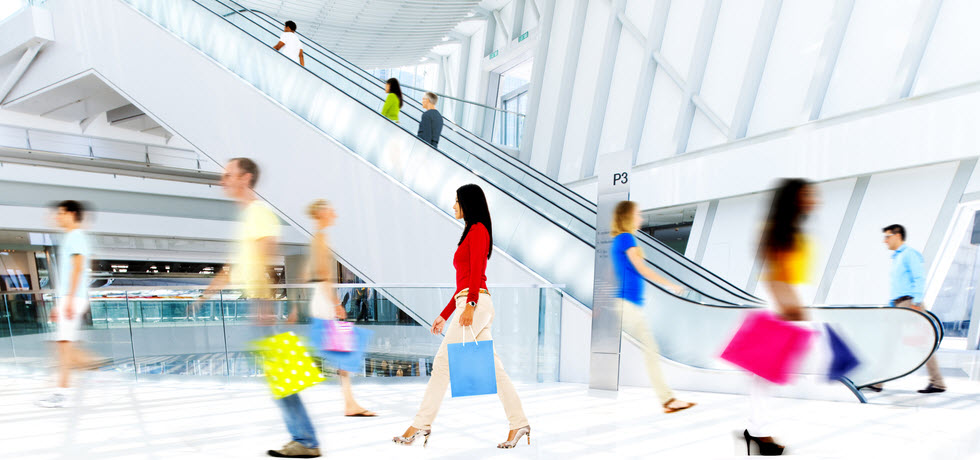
x,y
843,359
350,361
471,368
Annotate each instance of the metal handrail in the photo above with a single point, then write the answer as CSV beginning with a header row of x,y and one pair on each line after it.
x,y
446,96
200,287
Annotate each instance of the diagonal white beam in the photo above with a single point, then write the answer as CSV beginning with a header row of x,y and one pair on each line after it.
x,y
565,87
605,67
695,73
502,24
648,71
761,44
922,29
824,70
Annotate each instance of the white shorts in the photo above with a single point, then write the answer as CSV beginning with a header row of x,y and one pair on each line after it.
x,y
69,330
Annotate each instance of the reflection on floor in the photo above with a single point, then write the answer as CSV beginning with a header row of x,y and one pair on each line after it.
x,y
197,420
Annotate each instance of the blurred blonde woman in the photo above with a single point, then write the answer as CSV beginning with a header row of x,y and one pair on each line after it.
x,y
325,304
631,269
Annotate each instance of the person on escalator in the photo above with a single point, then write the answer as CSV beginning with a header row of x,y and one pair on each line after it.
x,y
430,127
393,102
631,271
290,45
908,277
473,323
325,304
785,252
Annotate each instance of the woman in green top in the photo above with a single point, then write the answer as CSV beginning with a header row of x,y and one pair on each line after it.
x,y
393,103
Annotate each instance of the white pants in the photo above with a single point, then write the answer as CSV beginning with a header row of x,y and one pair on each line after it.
x,y
455,333
69,330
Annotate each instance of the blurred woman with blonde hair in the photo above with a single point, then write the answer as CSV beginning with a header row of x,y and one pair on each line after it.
x,y
325,304
631,272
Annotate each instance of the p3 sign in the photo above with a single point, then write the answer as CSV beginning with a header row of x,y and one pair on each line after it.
x,y
620,178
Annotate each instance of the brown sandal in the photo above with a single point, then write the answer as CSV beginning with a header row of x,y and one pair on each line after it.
x,y
671,410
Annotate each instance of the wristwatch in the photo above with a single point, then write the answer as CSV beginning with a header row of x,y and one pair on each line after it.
x,y
471,304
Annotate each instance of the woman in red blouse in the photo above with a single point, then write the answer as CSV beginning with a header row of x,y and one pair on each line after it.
x,y
470,261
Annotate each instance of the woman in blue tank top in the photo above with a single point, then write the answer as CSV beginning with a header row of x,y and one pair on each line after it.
x,y
632,272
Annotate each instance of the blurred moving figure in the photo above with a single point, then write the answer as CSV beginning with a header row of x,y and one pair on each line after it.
x,y
362,303
258,235
430,126
290,45
74,256
393,102
470,260
908,281
786,255
325,304
631,269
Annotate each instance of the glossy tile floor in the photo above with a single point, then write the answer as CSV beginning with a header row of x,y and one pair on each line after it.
x,y
198,420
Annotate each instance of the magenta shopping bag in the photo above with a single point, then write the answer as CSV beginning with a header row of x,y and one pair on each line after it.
x,y
769,347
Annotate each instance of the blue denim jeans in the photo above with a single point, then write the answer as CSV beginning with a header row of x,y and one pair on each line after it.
x,y
297,421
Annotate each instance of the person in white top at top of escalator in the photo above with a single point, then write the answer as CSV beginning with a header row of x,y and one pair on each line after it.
x,y
290,45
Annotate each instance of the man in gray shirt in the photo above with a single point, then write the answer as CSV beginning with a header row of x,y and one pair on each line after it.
x,y
430,127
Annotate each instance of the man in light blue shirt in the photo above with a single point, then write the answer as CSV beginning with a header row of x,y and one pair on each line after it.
x,y
908,276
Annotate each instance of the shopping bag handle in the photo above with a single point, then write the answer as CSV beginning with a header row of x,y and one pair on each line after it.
x,y
472,333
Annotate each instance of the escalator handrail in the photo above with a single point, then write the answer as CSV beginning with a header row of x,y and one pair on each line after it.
x,y
654,244
488,146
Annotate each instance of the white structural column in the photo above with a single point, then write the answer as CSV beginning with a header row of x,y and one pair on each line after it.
x,y
566,87
828,58
749,91
537,79
484,123
695,74
916,48
605,67
464,60
654,39
518,27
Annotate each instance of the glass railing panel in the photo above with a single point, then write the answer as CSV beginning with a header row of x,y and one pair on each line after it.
x,y
181,332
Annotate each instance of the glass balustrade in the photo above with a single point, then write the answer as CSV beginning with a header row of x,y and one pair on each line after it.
x,y
173,331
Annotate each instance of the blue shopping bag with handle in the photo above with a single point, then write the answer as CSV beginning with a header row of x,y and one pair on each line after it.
x,y
843,359
471,368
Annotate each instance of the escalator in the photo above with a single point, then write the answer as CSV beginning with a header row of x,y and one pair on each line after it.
x,y
214,79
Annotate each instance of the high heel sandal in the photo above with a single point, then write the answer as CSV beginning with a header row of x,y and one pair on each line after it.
x,y
517,437
671,410
409,440
766,448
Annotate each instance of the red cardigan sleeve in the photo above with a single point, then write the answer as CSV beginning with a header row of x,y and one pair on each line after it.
x,y
478,246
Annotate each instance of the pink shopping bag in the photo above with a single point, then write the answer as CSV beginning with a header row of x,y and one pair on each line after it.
x,y
339,336
769,347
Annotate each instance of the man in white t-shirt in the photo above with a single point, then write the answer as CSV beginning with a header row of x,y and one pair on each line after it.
x,y
290,45
71,301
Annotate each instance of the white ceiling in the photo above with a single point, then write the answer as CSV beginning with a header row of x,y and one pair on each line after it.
x,y
372,33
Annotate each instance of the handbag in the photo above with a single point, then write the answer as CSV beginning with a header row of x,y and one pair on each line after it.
x,y
350,361
471,367
287,363
768,346
843,359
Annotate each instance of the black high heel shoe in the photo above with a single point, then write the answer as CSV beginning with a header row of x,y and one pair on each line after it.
x,y
767,448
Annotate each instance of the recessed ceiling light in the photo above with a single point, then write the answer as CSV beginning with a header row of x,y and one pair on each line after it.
x,y
470,14
445,39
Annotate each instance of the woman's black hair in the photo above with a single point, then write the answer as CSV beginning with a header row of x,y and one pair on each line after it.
x,y
785,217
395,88
475,211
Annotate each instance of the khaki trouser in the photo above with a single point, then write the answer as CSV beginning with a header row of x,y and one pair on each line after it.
x,y
932,365
436,389
635,324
